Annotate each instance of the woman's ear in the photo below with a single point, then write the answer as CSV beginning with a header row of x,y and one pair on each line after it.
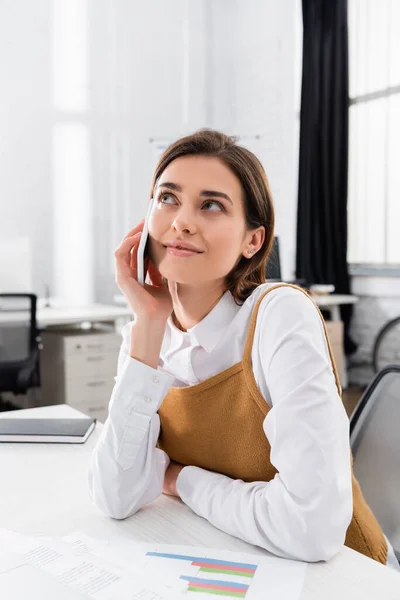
x,y
255,240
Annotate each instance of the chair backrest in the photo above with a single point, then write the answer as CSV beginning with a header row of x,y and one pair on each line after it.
x,y
18,328
375,444
273,269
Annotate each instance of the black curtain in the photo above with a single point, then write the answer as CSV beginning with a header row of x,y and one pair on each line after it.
x,y
322,194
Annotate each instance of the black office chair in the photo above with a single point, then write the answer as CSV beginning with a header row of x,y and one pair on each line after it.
x,y
19,343
375,444
273,268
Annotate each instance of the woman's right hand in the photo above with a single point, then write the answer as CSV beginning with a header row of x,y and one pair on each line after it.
x,y
151,302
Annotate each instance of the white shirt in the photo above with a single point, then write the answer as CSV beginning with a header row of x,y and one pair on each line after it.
x,y
304,512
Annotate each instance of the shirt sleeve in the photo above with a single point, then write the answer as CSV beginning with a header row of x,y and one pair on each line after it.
x,y
127,469
304,512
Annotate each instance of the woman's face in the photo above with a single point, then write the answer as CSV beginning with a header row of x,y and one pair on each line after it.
x,y
198,200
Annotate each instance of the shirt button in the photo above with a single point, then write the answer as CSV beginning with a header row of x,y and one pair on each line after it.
x,y
147,399
155,379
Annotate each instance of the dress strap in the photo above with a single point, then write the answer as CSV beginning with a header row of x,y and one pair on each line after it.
x,y
252,327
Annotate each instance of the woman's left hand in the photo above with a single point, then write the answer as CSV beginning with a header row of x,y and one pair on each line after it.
x,y
171,475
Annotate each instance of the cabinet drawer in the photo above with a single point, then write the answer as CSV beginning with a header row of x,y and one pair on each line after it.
x,y
87,391
91,365
107,343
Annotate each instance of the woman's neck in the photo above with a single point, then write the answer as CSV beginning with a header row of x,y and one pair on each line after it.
x,y
192,306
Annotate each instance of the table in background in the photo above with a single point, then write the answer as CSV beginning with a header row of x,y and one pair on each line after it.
x,y
333,302
45,491
56,316
78,361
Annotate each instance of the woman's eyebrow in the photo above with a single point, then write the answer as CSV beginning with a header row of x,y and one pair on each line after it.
x,y
205,193
171,186
213,193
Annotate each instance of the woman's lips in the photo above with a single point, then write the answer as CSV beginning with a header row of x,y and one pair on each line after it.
x,y
182,253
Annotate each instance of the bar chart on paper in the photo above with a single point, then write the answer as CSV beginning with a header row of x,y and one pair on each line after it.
x,y
209,576
193,573
206,576
206,573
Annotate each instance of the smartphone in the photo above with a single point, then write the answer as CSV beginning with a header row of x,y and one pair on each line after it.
x,y
144,244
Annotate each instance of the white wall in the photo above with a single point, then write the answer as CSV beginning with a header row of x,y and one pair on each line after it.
x,y
255,91
144,77
148,81
142,70
25,131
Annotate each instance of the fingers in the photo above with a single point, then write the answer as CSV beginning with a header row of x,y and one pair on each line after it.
x,y
138,227
124,249
127,253
155,275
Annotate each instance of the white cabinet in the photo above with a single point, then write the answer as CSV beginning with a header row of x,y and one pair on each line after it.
x,y
78,368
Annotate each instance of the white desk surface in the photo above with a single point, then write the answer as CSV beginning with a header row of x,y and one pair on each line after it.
x,y
44,491
333,299
67,315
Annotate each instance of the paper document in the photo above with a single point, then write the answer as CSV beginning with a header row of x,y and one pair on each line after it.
x,y
122,569
27,582
86,574
184,570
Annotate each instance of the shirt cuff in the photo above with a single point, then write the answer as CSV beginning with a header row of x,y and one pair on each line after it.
x,y
194,479
139,388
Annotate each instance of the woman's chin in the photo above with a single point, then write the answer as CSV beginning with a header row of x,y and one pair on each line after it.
x,y
179,276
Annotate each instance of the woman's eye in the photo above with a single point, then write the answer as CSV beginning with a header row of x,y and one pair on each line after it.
x,y
162,198
219,206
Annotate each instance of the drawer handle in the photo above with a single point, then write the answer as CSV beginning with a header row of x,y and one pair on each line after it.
x,y
94,358
90,346
94,408
96,383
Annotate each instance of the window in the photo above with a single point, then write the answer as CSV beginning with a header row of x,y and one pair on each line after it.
x,y
71,177
374,132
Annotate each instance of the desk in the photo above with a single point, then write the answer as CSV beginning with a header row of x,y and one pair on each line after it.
x,y
44,491
67,315
332,302
88,385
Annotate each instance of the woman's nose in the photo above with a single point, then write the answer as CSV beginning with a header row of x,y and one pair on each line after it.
x,y
184,223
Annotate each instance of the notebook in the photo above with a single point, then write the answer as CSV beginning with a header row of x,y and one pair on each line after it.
x,y
63,431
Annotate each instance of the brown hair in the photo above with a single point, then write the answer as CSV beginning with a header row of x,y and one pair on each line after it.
x,y
247,273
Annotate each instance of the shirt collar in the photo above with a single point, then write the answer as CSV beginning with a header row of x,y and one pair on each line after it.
x,y
211,329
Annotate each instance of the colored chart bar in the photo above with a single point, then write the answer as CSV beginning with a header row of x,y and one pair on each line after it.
x,y
205,566
218,592
215,582
221,588
208,561
226,572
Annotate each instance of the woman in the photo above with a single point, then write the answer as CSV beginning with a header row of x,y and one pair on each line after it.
x,y
226,394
